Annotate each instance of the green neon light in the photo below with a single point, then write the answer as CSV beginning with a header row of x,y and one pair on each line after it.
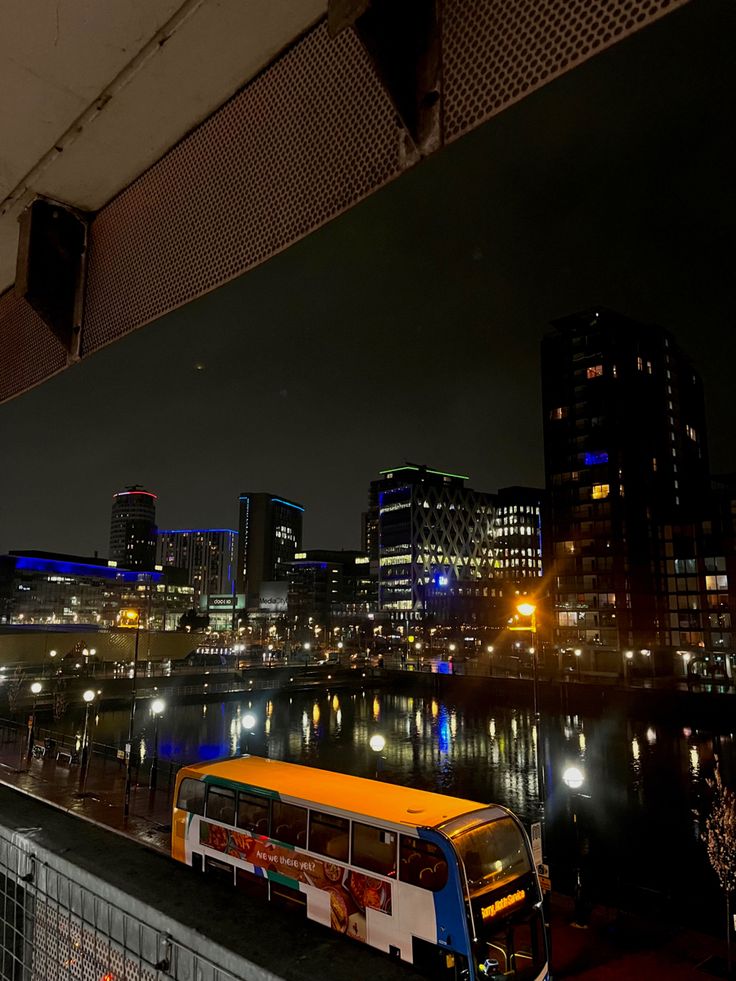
x,y
439,473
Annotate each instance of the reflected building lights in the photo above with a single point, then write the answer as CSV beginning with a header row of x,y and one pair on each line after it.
x,y
651,736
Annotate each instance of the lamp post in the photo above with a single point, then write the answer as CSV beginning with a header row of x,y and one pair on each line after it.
x,y
133,692
247,724
628,658
578,654
35,691
574,778
157,709
88,697
377,743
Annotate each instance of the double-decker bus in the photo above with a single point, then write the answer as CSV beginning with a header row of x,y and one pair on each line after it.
x,y
443,883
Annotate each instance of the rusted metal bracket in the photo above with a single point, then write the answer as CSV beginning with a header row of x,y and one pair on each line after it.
x,y
51,268
404,40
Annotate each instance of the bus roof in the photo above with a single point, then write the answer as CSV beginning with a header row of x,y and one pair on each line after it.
x,y
382,801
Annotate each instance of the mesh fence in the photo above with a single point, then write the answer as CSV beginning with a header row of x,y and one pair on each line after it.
x,y
56,929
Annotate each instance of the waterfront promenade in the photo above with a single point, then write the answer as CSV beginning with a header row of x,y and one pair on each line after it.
x,y
614,946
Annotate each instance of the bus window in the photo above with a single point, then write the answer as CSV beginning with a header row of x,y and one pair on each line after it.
x,y
328,835
493,854
289,823
191,796
221,804
422,864
253,813
374,849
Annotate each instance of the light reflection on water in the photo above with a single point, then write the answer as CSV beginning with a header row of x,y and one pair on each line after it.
x,y
639,807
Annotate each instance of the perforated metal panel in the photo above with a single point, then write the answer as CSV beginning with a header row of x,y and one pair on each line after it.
x,y
306,140
29,352
310,137
498,51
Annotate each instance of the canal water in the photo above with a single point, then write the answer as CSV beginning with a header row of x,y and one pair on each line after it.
x,y
633,827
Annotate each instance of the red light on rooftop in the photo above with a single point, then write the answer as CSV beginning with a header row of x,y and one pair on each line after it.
x,y
129,493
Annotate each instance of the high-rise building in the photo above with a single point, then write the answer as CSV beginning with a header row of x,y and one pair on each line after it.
x,y
626,463
269,533
517,534
435,545
133,528
209,556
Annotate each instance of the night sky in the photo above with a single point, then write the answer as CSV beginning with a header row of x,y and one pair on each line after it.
x,y
409,328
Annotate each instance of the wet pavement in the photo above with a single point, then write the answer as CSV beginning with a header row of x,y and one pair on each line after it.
x,y
613,946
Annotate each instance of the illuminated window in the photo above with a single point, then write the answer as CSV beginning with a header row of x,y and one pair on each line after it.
x,y
640,364
600,491
559,413
595,371
691,432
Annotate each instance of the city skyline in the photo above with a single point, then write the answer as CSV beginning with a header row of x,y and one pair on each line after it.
x,y
410,328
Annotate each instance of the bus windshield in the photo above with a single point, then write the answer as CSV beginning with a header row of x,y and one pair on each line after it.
x,y
493,854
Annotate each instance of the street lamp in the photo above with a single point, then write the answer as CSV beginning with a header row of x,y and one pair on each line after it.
x,y
157,709
131,615
574,778
247,724
377,743
35,691
527,609
628,658
88,697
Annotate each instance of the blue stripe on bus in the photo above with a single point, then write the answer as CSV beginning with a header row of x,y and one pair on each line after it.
x,y
449,905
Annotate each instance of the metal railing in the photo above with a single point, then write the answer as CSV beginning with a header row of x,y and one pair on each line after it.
x,y
54,928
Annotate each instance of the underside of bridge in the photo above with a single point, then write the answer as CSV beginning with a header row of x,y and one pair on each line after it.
x,y
192,141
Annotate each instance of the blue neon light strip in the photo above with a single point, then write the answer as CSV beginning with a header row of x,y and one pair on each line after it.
x,y
84,569
278,500
196,531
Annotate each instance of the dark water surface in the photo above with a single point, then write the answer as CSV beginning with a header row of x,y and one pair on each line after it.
x,y
640,810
